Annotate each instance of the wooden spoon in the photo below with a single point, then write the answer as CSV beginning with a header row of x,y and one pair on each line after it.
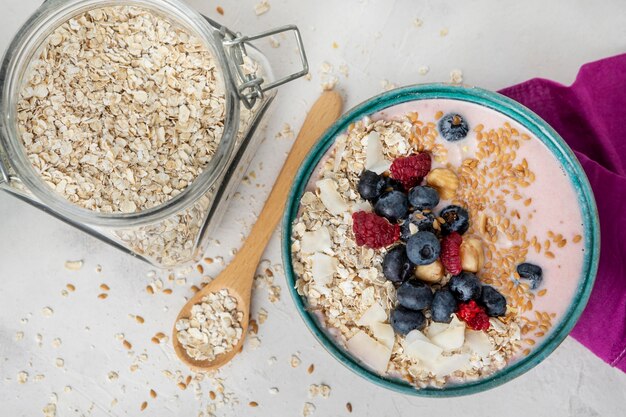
x,y
238,276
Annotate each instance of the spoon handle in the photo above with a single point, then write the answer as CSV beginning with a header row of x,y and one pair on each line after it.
x,y
322,115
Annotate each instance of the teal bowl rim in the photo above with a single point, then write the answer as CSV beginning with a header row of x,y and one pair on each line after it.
x,y
535,125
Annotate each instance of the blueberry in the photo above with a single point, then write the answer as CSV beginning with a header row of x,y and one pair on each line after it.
x,y
423,248
443,306
393,184
415,295
457,220
423,198
392,205
422,221
371,185
453,127
531,272
465,286
396,265
403,320
494,302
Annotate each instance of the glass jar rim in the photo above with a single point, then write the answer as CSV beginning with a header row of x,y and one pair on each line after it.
x,y
19,55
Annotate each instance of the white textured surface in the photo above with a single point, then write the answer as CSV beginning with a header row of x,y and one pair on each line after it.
x,y
494,45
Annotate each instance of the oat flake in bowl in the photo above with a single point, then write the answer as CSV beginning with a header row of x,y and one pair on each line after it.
x,y
121,110
497,318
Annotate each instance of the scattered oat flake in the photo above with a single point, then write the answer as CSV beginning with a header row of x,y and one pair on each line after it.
x,y
273,390
254,342
47,311
22,377
456,76
295,361
112,376
67,389
309,409
262,7
39,378
73,265
59,362
286,132
418,22
19,336
443,32
423,70
387,85
56,342
50,410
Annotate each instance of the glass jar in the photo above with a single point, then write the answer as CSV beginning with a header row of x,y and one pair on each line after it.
x,y
177,231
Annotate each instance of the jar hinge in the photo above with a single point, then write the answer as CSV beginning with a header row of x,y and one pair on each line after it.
x,y
251,86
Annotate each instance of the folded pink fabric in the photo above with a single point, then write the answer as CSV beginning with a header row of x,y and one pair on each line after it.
x,y
591,116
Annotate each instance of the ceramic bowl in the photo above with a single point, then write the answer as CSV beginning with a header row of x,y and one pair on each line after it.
x,y
559,149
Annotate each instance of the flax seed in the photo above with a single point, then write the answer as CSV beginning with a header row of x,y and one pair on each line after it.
x,y
212,395
155,340
70,287
139,319
149,289
577,238
254,327
103,296
253,404
549,255
310,369
349,407
144,405
127,345
181,385
438,115
167,291
104,287
153,393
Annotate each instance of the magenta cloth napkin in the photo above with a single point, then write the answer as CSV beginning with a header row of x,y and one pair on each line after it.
x,y
591,116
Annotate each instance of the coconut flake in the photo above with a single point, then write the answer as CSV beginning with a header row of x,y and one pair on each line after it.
x,y
384,334
375,314
330,197
478,342
374,158
369,351
323,268
316,241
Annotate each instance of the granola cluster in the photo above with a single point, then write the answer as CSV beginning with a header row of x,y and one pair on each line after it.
x,y
344,282
121,110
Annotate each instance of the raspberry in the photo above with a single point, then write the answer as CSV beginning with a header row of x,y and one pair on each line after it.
x,y
451,253
411,169
474,315
373,231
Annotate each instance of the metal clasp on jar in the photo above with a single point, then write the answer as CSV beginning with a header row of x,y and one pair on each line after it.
x,y
250,86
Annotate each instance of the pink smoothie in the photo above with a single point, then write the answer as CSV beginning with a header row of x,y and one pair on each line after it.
x,y
554,201
548,204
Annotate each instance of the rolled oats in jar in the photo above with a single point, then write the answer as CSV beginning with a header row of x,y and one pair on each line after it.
x,y
132,121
